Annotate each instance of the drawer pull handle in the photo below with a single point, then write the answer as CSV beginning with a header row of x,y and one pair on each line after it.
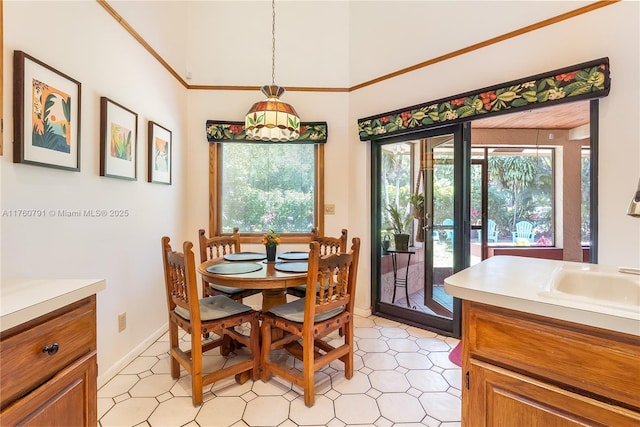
x,y
51,349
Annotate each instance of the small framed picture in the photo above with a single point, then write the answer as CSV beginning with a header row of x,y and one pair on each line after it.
x,y
159,154
118,140
46,126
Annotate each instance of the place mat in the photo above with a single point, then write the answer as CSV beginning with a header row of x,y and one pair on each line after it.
x,y
292,267
245,256
234,268
293,256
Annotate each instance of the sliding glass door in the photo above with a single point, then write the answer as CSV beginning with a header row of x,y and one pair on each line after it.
x,y
418,192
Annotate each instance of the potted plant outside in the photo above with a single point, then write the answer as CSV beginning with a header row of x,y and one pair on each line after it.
x,y
400,225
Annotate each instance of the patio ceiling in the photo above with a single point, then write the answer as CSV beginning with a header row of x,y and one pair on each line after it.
x,y
565,116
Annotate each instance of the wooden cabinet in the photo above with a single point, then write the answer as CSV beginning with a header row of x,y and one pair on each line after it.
x,y
48,369
521,369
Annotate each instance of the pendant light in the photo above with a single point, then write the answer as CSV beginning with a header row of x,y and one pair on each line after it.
x,y
272,119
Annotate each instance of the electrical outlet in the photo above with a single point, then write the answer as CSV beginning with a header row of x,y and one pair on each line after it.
x,y
330,209
122,322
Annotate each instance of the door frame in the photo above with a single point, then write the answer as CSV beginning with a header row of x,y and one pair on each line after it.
x,y
462,158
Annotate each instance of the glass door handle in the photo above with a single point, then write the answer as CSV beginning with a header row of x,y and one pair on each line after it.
x,y
427,227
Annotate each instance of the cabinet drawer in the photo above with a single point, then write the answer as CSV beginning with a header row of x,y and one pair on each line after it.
x,y
67,399
24,364
511,399
600,362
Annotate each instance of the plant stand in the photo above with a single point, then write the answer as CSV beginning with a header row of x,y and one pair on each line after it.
x,y
400,282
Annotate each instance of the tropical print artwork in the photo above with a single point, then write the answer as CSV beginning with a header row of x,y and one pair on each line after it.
x,y
50,117
161,155
220,131
588,80
120,142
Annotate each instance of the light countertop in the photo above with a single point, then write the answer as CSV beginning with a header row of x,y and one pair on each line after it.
x,y
523,284
24,300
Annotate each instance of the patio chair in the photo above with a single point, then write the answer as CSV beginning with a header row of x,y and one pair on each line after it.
x,y
492,233
308,320
449,233
524,230
197,317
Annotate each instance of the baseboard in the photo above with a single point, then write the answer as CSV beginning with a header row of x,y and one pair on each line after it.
x,y
131,356
361,312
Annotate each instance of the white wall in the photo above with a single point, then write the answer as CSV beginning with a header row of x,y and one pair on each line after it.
x,y
90,46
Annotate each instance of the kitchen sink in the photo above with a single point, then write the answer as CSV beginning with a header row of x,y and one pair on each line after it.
x,y
595,285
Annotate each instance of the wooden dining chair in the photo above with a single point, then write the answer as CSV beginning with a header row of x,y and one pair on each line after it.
x,y
218,247
328,245
308,320
215,314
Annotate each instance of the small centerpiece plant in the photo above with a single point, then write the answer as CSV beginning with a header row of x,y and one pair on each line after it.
x,y
271,240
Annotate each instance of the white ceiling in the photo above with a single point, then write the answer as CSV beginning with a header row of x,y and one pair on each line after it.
x,y
321,43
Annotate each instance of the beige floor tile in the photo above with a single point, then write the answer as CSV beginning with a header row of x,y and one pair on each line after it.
x,y
427,381
441,359
403,345
394,332
152,386
356,409
139,365
389,381
319,414
174,412
442,406
401,408
377,361
221,412
118,385
359,383
266,411
433,344
413,360
130,412
367,333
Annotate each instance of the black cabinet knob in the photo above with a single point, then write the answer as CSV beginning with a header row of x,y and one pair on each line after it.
x,y
51,349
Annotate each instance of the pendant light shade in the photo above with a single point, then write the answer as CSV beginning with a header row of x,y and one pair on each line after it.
x,y
272,119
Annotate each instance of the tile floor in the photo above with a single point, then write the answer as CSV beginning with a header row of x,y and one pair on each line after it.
x,y
403,377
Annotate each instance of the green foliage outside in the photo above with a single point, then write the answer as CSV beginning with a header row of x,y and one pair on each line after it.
x,y
396,188
520,189
585,207
268,186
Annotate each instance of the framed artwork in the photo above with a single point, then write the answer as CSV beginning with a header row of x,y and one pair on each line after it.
x,y
118,140
159,154
46,127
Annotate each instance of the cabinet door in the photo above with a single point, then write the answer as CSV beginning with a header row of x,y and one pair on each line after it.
x,y
498,397
68,399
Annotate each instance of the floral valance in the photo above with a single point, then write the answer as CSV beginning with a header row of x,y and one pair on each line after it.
x,y
221,131
582,81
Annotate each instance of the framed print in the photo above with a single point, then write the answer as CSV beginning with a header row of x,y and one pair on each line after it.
x,y
46,106
118,140
159,154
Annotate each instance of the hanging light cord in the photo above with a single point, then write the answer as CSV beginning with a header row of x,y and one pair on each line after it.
x,y
273,42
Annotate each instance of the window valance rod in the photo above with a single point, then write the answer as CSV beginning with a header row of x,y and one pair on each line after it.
x,y
222,131
578,82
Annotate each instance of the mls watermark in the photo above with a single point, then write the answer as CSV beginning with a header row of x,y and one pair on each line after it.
x,y
65,213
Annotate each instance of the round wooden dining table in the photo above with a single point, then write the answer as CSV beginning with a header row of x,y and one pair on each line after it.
x,y
272,282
